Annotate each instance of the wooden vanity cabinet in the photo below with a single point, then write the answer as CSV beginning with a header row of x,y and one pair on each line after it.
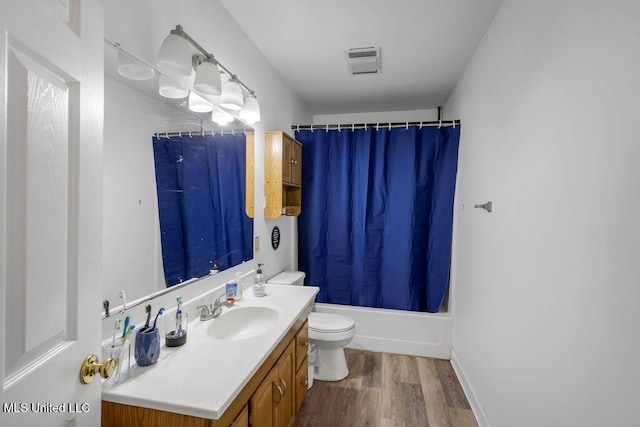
x,y
271,398
272,405
302,370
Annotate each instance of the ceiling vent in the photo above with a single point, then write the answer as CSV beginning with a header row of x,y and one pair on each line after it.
x,y
363,60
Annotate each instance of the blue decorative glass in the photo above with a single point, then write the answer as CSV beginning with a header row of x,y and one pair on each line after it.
x,y
147,348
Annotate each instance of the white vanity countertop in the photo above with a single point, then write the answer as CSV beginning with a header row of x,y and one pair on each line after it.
x,y
202,377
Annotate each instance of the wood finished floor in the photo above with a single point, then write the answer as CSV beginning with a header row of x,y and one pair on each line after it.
x,y
385,390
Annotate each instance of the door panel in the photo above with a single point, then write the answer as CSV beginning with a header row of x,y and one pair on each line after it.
x,y
51,106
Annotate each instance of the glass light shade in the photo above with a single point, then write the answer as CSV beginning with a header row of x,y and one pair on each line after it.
x,y
232,97
132,68
207,78
198,104
251,111
221,118
170,89
174,57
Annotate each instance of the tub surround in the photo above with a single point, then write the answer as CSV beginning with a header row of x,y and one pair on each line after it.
x,y
203,377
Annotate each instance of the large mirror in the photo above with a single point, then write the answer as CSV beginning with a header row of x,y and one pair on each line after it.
x,y
149,142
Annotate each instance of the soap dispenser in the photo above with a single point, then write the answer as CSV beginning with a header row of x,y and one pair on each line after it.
x,y
258,286
239,282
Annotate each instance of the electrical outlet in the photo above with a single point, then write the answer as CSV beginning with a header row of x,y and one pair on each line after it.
x,y
256,243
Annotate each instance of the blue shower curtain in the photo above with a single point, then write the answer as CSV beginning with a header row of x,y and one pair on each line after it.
x,y
201,183
377,214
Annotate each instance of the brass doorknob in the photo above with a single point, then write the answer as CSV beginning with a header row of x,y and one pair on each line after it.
x,y
90,367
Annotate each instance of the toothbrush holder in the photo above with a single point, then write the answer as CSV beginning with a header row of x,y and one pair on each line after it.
x,y
174,337
120,353
147,347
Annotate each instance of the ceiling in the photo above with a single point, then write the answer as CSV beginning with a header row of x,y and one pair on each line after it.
x,y
425,46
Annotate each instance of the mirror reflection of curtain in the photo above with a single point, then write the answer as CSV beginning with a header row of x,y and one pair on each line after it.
x,y
201,182
377,214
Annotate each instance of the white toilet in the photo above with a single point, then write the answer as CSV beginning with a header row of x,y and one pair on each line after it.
x,y
329,332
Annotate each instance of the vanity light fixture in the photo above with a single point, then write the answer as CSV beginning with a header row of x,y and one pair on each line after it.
x,y
131,67
175,53
211,77
198,104
221,117
207,75
251,111
231,97
170,89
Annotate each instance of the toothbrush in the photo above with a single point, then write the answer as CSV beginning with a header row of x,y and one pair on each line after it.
x,y
126,327
116,327
178,332
158,315
127,333
148,310
124,301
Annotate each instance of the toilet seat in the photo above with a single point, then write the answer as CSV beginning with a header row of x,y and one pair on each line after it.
x,y
328,323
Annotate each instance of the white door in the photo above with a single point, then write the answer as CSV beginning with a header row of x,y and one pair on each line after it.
x,y
51,107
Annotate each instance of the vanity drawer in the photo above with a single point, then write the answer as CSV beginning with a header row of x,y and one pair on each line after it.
x,y
302,342
302,381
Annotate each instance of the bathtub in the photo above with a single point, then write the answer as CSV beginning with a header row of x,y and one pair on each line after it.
x,y
397,331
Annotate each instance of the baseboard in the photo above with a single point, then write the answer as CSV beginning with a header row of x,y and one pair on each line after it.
x,y
481,417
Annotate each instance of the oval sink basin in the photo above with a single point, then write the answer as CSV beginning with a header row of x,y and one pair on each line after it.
x,y
242,322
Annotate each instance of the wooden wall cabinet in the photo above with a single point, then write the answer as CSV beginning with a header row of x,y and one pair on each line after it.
x,y
283,175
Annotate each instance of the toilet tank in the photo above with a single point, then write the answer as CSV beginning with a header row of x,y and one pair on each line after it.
x,y
288,277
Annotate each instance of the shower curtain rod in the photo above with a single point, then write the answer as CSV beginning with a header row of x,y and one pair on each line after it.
x,y
168,135
388,125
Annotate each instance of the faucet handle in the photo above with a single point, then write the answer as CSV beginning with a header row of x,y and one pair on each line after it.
x,y
206,309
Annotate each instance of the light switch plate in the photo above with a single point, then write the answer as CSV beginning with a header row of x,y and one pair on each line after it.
x,y
256,243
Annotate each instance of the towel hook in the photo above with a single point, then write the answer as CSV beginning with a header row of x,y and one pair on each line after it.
x,y
487,206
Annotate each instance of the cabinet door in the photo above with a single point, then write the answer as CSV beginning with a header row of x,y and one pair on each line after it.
x,y
287,159
242,420
296,164
302,384
264,400
285,410
302,342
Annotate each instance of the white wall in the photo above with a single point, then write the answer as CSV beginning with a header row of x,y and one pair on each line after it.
x,y
141,26
546,287
375,117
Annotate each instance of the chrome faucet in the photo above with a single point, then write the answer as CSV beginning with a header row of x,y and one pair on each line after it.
x,y
210,312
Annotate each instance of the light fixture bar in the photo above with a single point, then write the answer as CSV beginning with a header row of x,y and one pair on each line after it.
x,y
179,31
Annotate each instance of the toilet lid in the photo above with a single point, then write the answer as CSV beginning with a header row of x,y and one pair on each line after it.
x,y
327,322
